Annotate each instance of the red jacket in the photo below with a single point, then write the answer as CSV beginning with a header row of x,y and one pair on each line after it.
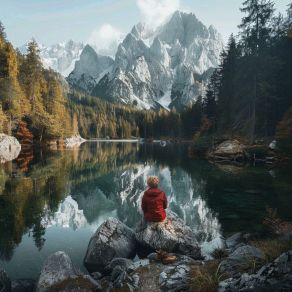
x,y
154,203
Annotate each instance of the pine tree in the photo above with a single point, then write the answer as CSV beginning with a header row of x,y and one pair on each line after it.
x,y
210,100
255,35
227,87
256,25
2,33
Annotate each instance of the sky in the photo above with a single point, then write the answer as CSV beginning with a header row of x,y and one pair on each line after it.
x,y
104,22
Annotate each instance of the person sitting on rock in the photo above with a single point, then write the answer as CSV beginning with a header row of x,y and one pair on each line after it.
x,y
154,201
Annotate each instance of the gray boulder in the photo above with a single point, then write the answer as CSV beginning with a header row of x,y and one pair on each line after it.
x,y
171,235
233,240
239,260
59,274
174,278
275,276
122,262
5,283
120,274
111,240
236,240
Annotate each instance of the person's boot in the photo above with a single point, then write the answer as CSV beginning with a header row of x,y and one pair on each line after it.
x,y
165,257
168,259
161,254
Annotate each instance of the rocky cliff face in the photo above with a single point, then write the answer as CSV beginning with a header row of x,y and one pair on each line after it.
x,y
166,67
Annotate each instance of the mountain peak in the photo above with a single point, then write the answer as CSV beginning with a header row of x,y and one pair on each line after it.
x,y
88,50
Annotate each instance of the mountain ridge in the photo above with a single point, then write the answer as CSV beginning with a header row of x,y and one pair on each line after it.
x,y
156,67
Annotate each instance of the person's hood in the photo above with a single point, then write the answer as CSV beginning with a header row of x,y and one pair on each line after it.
x,y
153,192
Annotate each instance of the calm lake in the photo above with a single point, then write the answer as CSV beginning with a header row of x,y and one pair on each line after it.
x,y
55,200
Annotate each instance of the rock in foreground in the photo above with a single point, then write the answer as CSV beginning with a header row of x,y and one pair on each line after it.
x,y
111,240
275,276
59,274
171,235
239,258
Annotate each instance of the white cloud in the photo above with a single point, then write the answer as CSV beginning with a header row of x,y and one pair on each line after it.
x,y
155,12
105,39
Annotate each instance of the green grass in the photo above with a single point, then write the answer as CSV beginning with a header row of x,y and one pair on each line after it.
x,y
205,278
272,248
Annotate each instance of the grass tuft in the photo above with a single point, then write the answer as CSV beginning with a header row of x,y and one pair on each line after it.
x,y
219,253
206,278
272,248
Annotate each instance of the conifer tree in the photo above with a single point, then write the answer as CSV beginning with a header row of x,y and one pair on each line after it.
x,y
227,86
256,25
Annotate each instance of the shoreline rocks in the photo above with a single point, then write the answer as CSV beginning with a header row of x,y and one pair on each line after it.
x,y
111,262
73,141
239,258
9,148
274,276
113,239
229,150
59,274
171,235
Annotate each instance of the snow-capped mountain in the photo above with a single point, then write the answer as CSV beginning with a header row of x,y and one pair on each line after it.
x,y
59,57
89,69
168,66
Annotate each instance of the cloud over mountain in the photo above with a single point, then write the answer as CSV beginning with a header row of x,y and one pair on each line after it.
x,y
155,12
105,39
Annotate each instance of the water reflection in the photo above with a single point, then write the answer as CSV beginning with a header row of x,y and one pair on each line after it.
x,y
53,201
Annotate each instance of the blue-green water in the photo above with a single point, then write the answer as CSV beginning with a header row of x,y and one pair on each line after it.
x,y
55,200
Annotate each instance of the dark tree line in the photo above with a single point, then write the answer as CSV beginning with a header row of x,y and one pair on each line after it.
x,y
250,92
97,118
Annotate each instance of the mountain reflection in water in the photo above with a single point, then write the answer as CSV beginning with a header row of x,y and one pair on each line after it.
x,y
53,201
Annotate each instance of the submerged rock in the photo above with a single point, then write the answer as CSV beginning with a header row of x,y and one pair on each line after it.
x,y
9,148
239,259
171,235
111,240
59,274
5,283
275,276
